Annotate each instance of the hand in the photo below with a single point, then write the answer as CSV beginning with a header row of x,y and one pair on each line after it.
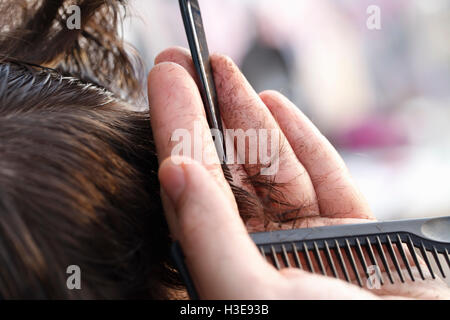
x,y
315,187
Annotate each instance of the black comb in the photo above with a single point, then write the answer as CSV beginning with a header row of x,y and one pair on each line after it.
x,y
384,245
347,251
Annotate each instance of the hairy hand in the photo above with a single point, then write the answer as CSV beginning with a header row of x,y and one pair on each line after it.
x,y
312,187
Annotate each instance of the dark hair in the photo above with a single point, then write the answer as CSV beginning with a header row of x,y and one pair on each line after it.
x,y
78,182
77,187
78,169
35,32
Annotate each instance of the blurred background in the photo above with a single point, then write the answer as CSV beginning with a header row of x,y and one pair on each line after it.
x,y
381,96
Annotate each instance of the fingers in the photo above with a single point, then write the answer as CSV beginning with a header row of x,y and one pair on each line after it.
x,y
305,286
336,192
180,56
222,259
183,58
242,109
178,119
219,253
429,289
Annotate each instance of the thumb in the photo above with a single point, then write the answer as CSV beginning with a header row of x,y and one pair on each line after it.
x,y
219,253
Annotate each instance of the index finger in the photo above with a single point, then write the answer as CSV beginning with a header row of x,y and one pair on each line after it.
x,y
178,119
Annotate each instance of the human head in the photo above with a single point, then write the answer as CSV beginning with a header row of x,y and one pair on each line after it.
x,y
78,183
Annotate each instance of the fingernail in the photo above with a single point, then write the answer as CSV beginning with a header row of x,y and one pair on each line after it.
x,y
172,180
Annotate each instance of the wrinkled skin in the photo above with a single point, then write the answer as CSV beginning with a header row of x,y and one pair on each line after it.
x,y
200,207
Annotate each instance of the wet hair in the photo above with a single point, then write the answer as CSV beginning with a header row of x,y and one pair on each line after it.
x,y
78,168
78,186
36,32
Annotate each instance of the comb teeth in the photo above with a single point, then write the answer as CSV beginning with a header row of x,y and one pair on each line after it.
x,y
275,258
373,259
308,258
427,261
341,261
361,257
384,260
354,255
319,259
372,242
394,258
353,262
404,257
438,263
286,257
330,260
414,255
296,256
447,258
